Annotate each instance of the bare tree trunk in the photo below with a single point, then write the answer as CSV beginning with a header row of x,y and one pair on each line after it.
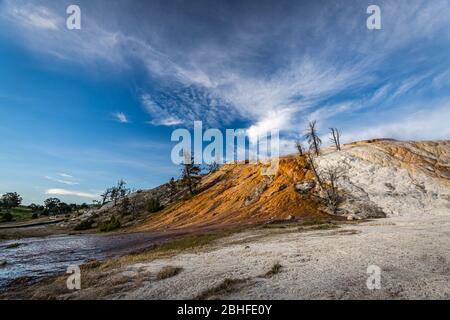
x,y
299,146
335,138
316,148
314,169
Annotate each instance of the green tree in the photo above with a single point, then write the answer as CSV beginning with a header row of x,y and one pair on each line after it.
x,y
10,200
153,205
52,205
64,208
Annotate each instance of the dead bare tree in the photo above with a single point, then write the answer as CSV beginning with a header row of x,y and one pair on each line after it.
x,y
327,178
313,138
330,177
118,192
299,146
335,138
190,173
313,166
105,196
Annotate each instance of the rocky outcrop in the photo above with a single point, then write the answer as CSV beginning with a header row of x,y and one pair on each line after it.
x,y
258,191
305,187
393,177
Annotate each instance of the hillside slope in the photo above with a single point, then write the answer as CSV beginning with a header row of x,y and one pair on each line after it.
x,y
384,177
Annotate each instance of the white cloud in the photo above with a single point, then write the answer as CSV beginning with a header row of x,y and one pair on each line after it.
x,y
63,178
64,192
274,121
121,117
65,175
428,123
170,121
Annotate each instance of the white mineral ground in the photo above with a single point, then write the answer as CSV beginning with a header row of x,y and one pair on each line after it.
x,y
412,252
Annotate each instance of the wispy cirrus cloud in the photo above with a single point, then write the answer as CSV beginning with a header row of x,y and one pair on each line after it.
x,y
63,178
315,61
36,17
42,26
65,175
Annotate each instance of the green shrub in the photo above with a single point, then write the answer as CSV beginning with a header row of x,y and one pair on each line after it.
x,y
153,205
6,217
276,268
111,225
84,225
125,207
34,216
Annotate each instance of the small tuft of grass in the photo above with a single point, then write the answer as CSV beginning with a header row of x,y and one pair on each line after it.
x,y
324,227
168,272
276,269
226,286
313,222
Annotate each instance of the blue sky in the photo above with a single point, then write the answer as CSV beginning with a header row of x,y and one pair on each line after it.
x,y
80,109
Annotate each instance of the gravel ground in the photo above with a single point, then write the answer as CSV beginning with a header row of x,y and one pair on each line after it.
x,y
412,252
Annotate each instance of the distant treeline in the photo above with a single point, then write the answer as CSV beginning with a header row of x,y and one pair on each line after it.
x,y
9,202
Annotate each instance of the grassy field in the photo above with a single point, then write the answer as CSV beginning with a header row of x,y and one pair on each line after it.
x,y
20,213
